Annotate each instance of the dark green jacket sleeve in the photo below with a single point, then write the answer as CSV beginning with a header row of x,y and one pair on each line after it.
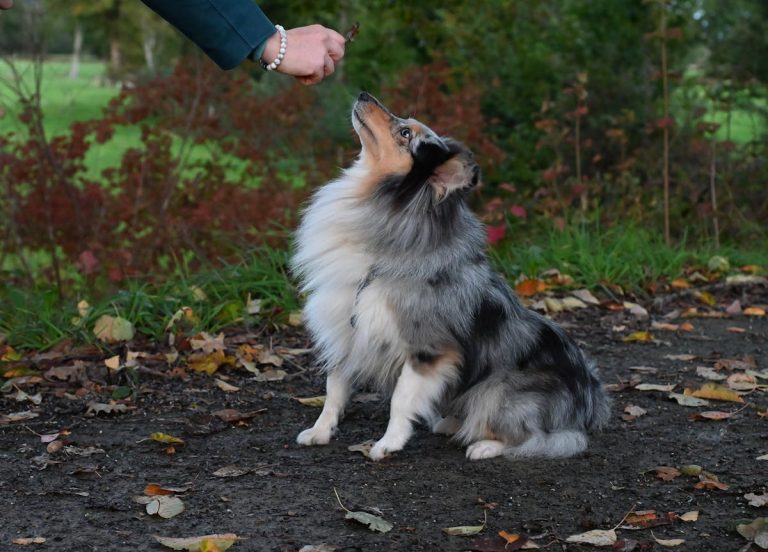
x,y
226,30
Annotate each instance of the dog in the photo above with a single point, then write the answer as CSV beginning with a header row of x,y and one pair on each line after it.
x,y
401,296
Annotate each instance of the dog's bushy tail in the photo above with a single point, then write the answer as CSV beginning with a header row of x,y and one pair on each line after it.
x,y
555,444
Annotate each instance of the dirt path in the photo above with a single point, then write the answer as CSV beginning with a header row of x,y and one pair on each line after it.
x,y
82,501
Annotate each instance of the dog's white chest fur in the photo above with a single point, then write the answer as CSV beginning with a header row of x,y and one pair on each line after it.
x,y
347,315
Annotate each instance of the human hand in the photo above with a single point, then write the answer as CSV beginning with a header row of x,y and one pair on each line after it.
x,y
6,4
311,53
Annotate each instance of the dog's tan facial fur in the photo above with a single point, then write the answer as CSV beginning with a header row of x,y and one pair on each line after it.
x,y
386,151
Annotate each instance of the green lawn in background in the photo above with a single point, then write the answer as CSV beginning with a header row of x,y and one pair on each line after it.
x,y
66,100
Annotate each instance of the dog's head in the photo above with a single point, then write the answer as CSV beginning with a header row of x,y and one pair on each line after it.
x,y
408,156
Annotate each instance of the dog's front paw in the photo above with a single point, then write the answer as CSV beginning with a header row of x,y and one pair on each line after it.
x,y
382,449
314,436
485,449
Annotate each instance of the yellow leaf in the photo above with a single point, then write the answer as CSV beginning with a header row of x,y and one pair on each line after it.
x,y
113,363
195,544
209,363
714,392
317,402
639,337
165,438
706,298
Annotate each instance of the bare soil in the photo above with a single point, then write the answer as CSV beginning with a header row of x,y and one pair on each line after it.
x,y
286,500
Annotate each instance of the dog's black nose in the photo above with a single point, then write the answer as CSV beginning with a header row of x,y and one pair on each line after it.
x,y
365,97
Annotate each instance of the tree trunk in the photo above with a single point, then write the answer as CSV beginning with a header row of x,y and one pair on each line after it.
x,y
113,32
77,49
149,41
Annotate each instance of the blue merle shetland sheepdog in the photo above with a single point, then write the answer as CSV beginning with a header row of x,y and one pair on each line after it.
x,y
400,295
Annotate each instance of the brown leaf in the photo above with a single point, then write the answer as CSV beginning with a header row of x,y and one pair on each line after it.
x,y
708,484
209,362
642,518
711,415
666,473
232,415
154,489
735,329
530,287
754,311
680,283
24,541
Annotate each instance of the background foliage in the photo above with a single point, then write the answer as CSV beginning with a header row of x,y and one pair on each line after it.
x,y
136,155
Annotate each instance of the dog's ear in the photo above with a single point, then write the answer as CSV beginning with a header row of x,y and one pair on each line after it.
x,y
460,172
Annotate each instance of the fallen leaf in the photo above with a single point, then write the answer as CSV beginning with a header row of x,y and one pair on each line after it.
x,y
374,523
740,279
684,357
316,402
632,412
586,296
165,506
710,373
711,415
231,471
207,343
106,408
641,518
755,531
165,438
322,547
763,457
530,287
687,400
669,543
467,530
231,415
596,537
113,363
363,448
742,382
636,310
665,326
644,369
666,473
21,396
754,311
572,303
209,362
654,387
252,306
194,544
706,297
680,283
226,387
718,263
691,470
734,309
708,484
113,329
154,489
714,392
735,329
637,337
758,501
510,537
745,363
270,375
690,516
24,541
296,318
686,327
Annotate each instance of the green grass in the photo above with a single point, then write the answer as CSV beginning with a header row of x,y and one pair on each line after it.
x,y
65,101
627,255
36,318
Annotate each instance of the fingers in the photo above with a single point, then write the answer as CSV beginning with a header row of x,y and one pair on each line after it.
x,y
335,50
6,4
328,66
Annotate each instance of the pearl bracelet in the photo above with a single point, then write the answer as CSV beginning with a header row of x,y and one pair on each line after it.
x,y
281,54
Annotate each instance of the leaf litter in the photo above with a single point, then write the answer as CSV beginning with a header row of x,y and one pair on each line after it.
x,y
374,523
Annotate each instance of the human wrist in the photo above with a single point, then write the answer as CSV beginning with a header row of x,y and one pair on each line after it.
x,y
275,49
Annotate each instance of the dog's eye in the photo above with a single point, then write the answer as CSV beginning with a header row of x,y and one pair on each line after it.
x,y
405,133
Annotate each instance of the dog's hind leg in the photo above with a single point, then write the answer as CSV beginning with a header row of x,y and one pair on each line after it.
x,y
418,389
446,426
338,389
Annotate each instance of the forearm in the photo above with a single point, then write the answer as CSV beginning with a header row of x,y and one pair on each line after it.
x,y
228,31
